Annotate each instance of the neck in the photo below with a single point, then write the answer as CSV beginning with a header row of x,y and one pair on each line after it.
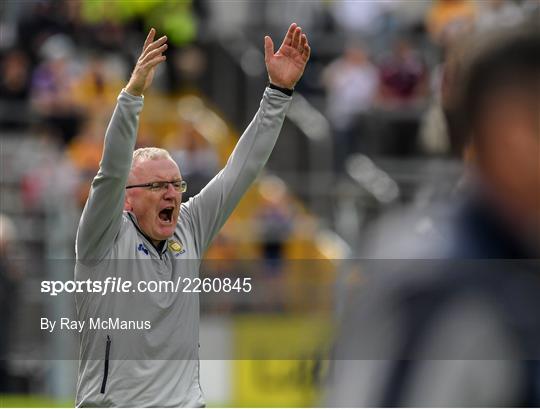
x,y
156,243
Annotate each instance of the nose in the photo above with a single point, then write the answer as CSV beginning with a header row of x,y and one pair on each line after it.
x,y
170,192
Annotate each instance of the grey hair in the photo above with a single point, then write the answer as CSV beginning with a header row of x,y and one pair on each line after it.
x,y
151,153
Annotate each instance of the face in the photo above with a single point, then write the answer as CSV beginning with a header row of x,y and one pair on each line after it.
x,y
156,211
508,150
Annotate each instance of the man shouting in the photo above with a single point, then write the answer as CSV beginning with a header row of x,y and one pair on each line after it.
x,y
135,227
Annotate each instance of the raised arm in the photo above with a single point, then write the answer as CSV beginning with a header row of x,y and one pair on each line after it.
x,y
208,211
102,215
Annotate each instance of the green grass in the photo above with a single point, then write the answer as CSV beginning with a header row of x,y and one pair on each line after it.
x,y
33,401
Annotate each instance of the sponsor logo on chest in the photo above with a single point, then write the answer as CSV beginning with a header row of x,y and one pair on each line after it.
x,y
176,247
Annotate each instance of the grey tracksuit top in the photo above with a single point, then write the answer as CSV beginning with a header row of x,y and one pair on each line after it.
x,y
157,366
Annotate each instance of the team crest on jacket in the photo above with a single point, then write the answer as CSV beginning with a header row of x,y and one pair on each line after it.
x,y
176,247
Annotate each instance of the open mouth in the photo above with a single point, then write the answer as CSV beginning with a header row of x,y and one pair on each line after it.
x,y
166,214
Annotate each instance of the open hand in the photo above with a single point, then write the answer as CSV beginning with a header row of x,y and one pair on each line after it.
x,y
151,57
287,65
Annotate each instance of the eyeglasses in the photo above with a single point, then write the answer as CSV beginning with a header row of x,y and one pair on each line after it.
x,y
178,185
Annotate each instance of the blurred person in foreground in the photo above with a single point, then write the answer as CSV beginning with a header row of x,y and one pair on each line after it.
x,y
135,227
455,321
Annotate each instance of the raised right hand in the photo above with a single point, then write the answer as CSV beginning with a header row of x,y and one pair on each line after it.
x,y
151,57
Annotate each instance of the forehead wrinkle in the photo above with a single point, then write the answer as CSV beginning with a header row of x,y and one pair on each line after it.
x,y
146,170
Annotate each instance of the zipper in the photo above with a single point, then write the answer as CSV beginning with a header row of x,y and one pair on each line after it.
x,y
106,367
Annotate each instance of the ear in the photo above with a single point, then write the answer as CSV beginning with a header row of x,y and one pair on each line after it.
x,y
127,204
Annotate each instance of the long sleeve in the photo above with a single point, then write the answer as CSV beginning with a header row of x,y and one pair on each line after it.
x,y
102,215
208,211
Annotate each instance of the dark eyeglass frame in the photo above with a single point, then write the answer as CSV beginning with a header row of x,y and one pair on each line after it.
x,y
178,185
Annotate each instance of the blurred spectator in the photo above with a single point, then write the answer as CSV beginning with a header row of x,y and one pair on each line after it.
x,y
48,175
14,88
197,160
457,328
221,261
443,136
84,151
434,138
408,16
448,19
351,84
433,132
8,296
403,76
53,87
189,65
402,94
494,14
274,220
95,85
277,14
361,19
14,82
41,20
225,249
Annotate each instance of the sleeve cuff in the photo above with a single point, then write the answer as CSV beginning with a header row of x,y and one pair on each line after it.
x,y
134,97
285,91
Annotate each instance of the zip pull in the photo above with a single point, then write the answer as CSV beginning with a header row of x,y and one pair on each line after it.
x,y
106,366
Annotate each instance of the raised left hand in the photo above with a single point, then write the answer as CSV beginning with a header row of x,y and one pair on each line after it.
x,y
287,65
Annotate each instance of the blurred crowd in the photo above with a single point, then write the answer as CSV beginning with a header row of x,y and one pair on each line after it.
x,y
392,66
59,59
62,63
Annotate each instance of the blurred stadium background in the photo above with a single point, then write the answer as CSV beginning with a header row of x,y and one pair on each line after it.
x,y
364,138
